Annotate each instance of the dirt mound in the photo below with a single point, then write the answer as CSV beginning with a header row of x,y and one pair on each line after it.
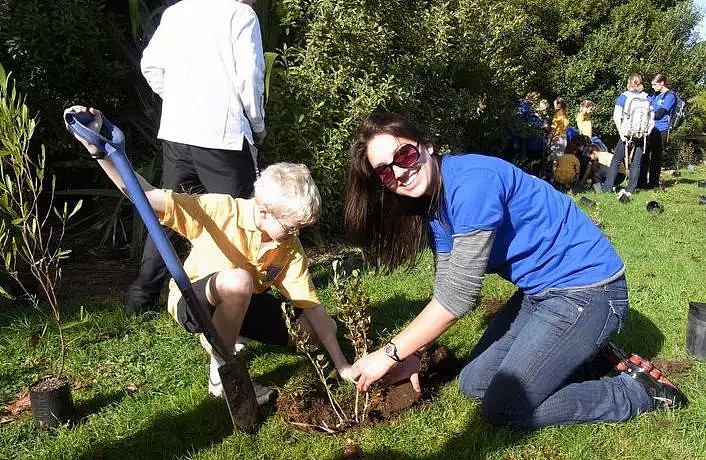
x,y
439,366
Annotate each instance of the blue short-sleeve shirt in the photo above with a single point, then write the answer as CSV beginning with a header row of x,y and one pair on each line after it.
x,y
542,239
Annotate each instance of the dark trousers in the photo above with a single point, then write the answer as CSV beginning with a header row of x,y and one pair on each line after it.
x,y
190,169
634,147
652,162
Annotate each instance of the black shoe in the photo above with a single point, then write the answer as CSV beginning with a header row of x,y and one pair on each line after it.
x,y
263,394
662,393
136,301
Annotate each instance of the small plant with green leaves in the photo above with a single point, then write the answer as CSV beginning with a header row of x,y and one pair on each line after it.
x,y
352,304
352,308
32,228
303,343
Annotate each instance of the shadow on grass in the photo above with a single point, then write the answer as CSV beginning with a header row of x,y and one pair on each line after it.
x,y
95,404
479,439
640,335
172,435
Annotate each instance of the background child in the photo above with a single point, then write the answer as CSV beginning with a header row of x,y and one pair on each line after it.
x,y
557,135
583,118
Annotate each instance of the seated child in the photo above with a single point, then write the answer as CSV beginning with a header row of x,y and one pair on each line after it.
x,y
567,169
240,248
597,168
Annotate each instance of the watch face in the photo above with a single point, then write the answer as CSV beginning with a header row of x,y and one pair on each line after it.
x,y
391,351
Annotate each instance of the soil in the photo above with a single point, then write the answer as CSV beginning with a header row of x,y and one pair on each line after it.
x,y
492,306
439,366
48,383
673,366
103,280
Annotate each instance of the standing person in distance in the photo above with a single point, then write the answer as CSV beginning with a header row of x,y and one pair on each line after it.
x,y
663,103
205,61
634,119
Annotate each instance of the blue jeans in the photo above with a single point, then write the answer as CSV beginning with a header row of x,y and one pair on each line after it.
x,y
522,366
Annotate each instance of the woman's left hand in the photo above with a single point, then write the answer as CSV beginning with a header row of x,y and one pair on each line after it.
x,y
370,368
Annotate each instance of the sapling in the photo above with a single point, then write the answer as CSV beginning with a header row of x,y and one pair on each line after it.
x,y
302,341
352,304
31,227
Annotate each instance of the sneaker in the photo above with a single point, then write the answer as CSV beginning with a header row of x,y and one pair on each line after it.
x,y
664,394
263,394
215,387
241,342
624,196
136,301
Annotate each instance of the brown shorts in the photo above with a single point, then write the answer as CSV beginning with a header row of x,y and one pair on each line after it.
x,y
263,321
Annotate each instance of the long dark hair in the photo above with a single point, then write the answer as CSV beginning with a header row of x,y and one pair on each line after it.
x,y
390,228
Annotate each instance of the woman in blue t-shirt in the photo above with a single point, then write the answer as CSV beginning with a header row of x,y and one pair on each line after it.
x,y
482,215
663,102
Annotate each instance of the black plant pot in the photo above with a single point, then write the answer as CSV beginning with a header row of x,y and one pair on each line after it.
x,y
51,401
587,202
696,330
654,207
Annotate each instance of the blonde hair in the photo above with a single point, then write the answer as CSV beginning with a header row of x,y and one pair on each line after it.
x,y
635,82
288,191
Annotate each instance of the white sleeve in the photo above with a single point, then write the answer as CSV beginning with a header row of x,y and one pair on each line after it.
x,y
152,64
250,68
617,117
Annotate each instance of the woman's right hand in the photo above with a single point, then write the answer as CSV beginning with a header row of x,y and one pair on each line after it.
x,y
94,125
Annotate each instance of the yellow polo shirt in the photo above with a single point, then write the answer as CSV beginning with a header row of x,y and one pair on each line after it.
x,y
223,235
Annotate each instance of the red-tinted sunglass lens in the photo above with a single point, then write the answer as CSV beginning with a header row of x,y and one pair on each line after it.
x,y
386,175
406,156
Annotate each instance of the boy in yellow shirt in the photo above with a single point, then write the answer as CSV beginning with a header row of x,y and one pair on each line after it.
x,y
240,248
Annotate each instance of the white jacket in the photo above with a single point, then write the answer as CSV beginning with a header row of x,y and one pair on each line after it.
x,y
205,60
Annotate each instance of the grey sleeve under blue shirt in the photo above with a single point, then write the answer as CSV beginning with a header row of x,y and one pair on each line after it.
x,y
460,273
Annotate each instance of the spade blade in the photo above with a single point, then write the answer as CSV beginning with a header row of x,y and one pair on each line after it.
x,y
239,394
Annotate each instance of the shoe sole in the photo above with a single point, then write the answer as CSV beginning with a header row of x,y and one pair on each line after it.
x,y
633,364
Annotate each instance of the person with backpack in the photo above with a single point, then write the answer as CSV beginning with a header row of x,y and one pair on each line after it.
x,y
634,117
663,103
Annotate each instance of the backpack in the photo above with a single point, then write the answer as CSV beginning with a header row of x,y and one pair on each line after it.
x,y
677,117
636,115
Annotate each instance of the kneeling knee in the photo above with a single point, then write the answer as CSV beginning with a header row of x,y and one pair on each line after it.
x,y
229,283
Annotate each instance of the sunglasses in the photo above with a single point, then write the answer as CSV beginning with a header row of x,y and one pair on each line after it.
x,y
405,156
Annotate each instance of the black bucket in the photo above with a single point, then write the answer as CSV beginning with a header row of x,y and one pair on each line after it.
x,y
696,330
51,406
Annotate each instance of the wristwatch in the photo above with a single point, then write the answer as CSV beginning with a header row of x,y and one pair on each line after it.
x,y
391,352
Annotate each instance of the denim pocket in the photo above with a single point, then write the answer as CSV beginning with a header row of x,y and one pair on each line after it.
x,y
614,320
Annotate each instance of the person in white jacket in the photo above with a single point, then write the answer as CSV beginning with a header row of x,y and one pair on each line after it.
x,y
634,117
205,61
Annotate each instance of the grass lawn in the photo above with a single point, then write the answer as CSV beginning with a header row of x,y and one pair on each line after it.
x,y
140,383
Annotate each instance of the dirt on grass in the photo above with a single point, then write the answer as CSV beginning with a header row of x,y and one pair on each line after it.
x,y
439,366
103,280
